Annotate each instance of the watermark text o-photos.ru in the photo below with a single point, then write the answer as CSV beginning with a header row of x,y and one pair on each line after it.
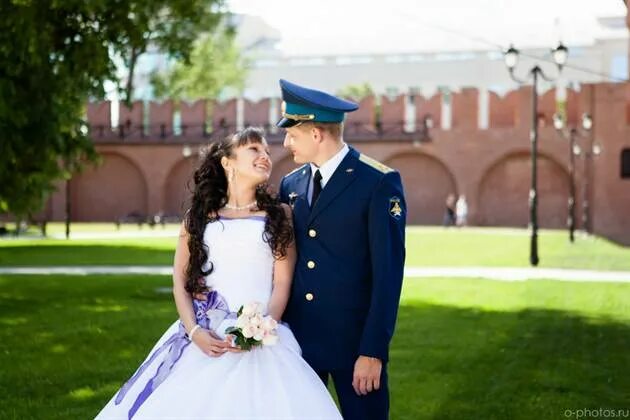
x,y
597,413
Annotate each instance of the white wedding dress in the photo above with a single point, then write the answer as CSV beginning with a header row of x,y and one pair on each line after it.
x,y
178,381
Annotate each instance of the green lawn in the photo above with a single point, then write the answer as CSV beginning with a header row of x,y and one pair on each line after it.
x,y
464,349
430,246
59,228
426,246
45,252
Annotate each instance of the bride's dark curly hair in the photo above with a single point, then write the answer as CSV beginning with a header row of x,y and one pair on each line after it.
x,y
209,195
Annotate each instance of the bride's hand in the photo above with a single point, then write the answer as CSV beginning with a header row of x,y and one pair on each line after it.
x,y
211,344
233,348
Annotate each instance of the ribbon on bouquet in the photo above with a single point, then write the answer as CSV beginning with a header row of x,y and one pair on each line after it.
x,y
209,313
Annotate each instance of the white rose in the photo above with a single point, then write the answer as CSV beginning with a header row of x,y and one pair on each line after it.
x,y
269,324
270,339
259,333
248,331
241,322
256,320
249,309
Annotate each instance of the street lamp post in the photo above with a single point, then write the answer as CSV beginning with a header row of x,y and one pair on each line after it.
x,y
572,134
560,55
571,221
68,209
588,156
587,153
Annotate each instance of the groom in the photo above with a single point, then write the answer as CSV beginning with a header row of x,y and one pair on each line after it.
x,y
349,216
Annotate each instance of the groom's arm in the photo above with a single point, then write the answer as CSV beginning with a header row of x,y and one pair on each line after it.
x,y
282,194
387,216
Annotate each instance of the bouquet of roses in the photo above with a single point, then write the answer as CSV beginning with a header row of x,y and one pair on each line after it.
x,y
252,328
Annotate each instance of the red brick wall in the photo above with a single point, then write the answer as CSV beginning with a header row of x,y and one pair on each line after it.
x,y
257,113
465,108
362,118
503,109
491,167
431,106
193,116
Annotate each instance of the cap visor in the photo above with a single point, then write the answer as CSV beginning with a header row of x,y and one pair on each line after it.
x,y
287,122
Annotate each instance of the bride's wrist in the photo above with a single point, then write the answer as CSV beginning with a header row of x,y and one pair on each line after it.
x,y
192,331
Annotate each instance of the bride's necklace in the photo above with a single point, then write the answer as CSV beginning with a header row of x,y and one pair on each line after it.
x,y
245,207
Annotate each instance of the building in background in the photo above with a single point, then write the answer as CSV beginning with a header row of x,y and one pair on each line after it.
x,y
420,72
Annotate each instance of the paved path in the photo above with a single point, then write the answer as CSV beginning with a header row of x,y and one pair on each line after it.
x,y
493,273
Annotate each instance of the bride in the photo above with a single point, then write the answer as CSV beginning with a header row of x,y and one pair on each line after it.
x,y
236,247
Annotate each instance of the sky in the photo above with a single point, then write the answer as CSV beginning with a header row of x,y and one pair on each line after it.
x,y
323,27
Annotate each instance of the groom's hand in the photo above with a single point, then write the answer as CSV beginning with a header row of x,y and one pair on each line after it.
x,y
367,375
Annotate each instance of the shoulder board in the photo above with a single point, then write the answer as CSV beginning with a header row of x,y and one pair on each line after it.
x,y
298,169
375,164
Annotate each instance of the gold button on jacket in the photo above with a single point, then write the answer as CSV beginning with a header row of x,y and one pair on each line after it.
x,y
312,233
309,296
310,264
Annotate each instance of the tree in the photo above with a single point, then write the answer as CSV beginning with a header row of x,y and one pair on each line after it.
x,y
215,65
356,92
57,55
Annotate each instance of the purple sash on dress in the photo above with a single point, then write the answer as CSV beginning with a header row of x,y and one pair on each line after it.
x,y
205,312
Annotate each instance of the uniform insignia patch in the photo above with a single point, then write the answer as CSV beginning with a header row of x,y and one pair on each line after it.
x,y
292,197
394,208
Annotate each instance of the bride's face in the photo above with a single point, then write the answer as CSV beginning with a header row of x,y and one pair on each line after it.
x,y
251,162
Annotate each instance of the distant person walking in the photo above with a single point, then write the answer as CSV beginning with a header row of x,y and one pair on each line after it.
x,y
461,211
449,214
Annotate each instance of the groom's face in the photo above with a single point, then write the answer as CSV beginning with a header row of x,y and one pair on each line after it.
x,y
303,142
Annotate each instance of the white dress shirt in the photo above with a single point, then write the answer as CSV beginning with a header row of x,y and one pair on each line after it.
x,y
327,169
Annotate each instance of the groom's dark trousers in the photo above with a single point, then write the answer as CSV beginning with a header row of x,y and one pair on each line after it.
x,y
373,406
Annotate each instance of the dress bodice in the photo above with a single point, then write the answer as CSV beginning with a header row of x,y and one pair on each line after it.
x,y
242,260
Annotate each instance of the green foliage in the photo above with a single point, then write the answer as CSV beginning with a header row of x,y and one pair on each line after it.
x,y
356,92
240,340
56,55
215,64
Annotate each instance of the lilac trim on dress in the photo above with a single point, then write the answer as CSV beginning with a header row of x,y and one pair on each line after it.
x,y
207,313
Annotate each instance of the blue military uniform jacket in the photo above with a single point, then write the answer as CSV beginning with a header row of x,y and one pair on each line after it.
x,y
351,251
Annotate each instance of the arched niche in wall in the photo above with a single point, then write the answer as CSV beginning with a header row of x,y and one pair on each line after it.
x,y
109,191
179,185
427,182
504,192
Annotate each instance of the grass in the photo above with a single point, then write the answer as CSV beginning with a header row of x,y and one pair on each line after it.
x,y
464,349
490,350
429,246
59,228
426,246
125,251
